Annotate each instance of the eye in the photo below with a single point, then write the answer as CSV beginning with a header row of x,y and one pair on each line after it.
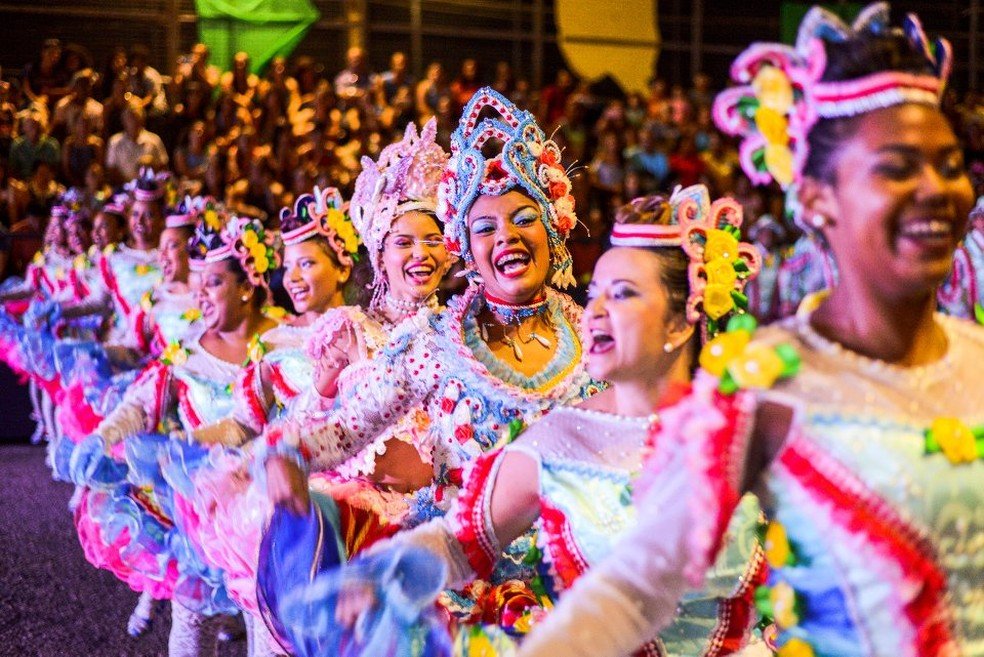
x,y
898,168
403,242
526,218
483,227
953,167
623,291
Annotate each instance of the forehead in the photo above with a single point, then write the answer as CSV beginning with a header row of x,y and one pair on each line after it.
x,y
504,205
911,126
307,248
639,266
415,223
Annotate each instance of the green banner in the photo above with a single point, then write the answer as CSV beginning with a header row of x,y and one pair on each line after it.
x,y
262,28
792,13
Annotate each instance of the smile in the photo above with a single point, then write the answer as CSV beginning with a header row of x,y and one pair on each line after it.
x,y
513,264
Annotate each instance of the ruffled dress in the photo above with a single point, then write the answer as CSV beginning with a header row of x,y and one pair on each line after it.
x,y
437,365
187,389
874,498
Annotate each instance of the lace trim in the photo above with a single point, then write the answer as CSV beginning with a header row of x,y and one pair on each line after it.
x,y
468,521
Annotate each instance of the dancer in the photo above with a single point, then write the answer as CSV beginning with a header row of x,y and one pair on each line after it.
x,y
868,457
504,353
188,386
962,294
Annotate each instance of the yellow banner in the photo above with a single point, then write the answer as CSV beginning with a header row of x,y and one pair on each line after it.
x,y
605,37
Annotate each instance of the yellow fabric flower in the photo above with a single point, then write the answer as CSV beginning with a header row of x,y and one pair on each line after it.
x,y
256,349
783,599
718,301
344,229
250,239
257,249
274,312
147,301
796,647
261,263
779,162
773,89
759,366
175,355
211,218
955,439
720,351
720,244
80,262
777,550
721,272
773,126
191,315
142,269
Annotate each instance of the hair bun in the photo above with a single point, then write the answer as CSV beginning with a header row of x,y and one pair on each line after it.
x,y
654,209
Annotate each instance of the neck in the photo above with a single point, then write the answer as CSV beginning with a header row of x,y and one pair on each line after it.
x,y
900,331
242,332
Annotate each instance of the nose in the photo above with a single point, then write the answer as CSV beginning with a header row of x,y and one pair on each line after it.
x,y
596,307
932,185
294,273
506,233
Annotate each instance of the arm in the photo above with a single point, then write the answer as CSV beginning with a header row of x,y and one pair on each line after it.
x,y
142,406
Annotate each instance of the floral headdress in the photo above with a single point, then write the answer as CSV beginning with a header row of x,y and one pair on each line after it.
x,y
720,264
321,214
782,95
528,160
148,185
220,236
186,212
117,205
404,179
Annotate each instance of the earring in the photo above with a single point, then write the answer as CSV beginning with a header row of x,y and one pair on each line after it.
x,y
669,347
818,221
245,298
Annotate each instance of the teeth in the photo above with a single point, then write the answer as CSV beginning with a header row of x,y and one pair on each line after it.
x,y
931,228
512,258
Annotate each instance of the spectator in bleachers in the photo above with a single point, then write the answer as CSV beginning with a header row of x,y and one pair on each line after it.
x,y
133,147
80,149
78,102
33,144
44,80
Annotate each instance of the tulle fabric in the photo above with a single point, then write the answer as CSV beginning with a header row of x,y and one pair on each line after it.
x,y
302,570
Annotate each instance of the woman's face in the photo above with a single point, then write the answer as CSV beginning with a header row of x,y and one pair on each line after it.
x,y
414,257
144,221
509,246
220,297
78,236
55,236
899,203
173,255
627,320
106,230
311,277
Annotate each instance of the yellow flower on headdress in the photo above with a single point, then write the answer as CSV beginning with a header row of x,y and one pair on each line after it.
x,y
721,272
773,89
175,354
720,244
759,367
779,162
344,229
719,352
211,218
256,249
261,263
250,240
718,301
955,439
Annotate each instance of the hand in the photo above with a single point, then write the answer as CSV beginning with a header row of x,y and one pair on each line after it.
x,y
287,485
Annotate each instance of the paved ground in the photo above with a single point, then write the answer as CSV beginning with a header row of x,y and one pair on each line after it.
x,y
52,602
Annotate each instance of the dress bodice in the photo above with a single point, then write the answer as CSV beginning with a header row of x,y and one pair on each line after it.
x,y
886,537
202,385
128,274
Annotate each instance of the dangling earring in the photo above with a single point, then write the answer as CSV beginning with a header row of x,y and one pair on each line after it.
x,y
818,221
245,298
669,347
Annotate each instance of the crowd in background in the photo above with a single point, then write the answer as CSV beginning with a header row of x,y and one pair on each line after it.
x,y
256,142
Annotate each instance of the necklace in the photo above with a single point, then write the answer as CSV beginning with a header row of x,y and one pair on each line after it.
x,y
511,313
515,342
408,307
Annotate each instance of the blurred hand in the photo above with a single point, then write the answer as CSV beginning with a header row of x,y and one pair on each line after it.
x,y
287,485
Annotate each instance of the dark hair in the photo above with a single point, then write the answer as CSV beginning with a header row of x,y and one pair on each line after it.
x,y
862,55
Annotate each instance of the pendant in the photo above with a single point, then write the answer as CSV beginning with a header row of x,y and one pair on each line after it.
x,y
542,340
484,330
517,352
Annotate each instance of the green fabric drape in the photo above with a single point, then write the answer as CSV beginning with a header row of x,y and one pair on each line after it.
x,y
263,28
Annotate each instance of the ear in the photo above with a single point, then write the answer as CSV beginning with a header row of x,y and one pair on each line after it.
x,y
818,197
246,289
344,273
679,330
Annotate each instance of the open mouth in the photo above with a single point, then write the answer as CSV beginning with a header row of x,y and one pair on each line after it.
x,y
929,232
513,264
299,294
601,342
419,274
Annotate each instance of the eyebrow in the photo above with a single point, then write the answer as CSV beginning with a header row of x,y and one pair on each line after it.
x,y
527,206
906,149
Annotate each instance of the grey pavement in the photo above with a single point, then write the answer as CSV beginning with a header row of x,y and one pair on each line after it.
x,y
52,602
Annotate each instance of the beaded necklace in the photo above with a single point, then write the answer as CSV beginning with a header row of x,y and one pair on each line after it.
x,y
514,314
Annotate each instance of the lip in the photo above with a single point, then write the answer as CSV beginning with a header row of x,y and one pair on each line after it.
x,y
600,341
929,233
419,274
299,293
519,269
